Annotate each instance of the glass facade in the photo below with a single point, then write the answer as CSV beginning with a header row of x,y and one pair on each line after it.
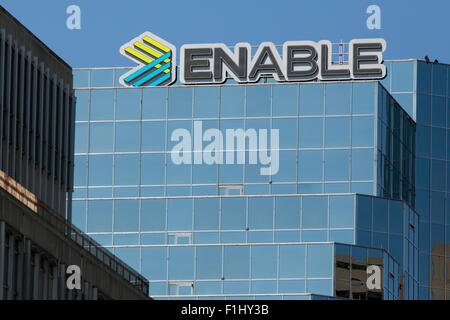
x,y
137,194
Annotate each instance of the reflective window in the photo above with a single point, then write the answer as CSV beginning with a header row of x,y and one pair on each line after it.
x,y
126,169
179,214
336,165
81,166
337,132
153,136
181,263
126,215
102,105
152,169
128,104
314,212
284,99
292,261
81,137
310,132
362,131
403,76
154,103
82,111
438,111
236,262
287,213
102,78
264,262
101,137
232,101
154,263
100,170
439,79
81,79
337,98
319,261
130,255
206,214
287,131
380,215
260,213
180,103
258,101
311,99
127,136
153,215
342,212
362,164
423,77
233,214
310,165
99,216
364,205
287,167
206,102
363,98
209,262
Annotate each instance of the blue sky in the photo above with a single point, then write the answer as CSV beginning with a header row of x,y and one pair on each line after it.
x,y
412,28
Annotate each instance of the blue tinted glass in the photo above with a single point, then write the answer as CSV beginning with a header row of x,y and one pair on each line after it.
x,y
286,166
236,262
395,217
380,215
128,239
261,286
402,76
258,101
101,137
82,109
232,237
100,170
439,79
291,286
362,131
319,261
363,98
236,287
204,173
310,132
284,100
180,103
423,115
342,212
102,105
153,215
422,173
209,262
336,165
337,98
260,213
343,236
128,104
153,136
337,132
102,78
126,169
264,262
80,175
437,175
233,214
206,102
423,77
130,255
154,263
287,131
336,187
181,263
180,132
438,116
81,78
315,212
292,261
79,214
260,237
99,216
232,101
423,136
154,103
437,207
179,214
287,212
311,99
287,236
314,236
127,136
152,169
206,237
208,287
206,214
126,215
310,165
322,287
364,218
406,102
81,137
362,164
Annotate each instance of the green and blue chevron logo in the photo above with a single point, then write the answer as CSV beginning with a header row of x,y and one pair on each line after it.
x,y
156,58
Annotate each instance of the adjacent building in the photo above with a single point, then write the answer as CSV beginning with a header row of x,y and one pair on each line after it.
x,y
37,241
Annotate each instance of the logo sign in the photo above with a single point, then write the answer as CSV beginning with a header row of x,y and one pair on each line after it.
x,y
214,63
156,58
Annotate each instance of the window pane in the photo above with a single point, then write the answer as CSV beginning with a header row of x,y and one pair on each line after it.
x,y
311,99
100,170
362,131
126,215
315,212
181,263
206,214
236,262
403,76
342,212
100,216
319,263
152,169
206,102
363,98
232,101
284,100
101,137
292,261
102,78
337,132
81,136
310,132
102,105
233,214
82,109
126,169
179,214
287,131
310,164
180,103
154,263
153,215
81,78
337,98
260,213
154,103
209,262
362,164
127,136
153,135
128,104
264,262
336,165
258,101
287,212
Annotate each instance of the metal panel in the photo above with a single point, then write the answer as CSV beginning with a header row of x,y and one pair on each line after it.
x,y
19,273
27,282
8,105
11,269
2,82
20,116
34,108
35,271
62,282
28,127
14,84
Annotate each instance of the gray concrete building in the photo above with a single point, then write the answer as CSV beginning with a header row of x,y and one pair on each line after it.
x,y
37,240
